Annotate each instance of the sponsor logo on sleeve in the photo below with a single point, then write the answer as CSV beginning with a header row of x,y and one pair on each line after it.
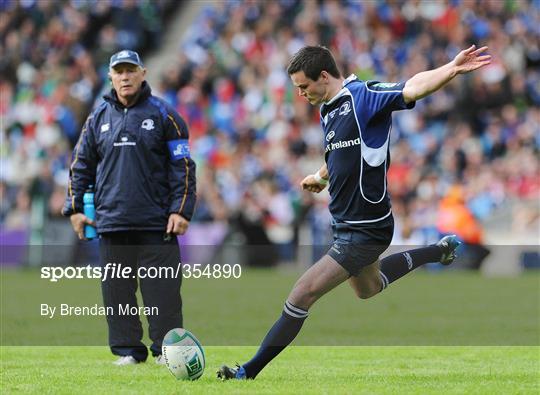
x,y
179,149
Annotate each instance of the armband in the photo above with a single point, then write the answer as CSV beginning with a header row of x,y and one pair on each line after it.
x,y
178,149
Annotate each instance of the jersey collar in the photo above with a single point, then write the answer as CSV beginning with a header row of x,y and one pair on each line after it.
x,y
350,78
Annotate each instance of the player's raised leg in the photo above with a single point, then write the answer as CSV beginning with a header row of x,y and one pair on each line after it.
x,y
374,278
321,278
395,266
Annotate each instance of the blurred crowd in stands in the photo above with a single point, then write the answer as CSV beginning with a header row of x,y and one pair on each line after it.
x,y
53,65
461,156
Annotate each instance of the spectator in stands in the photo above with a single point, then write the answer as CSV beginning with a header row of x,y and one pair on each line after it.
x,y
52,67
454,217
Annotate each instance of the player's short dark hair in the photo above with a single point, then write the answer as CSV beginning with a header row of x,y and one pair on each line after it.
x,y
312,60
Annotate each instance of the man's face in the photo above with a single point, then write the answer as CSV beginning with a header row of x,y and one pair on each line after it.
x,y
314,91
127,79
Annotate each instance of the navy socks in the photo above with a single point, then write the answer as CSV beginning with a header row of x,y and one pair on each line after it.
x,y
278,337
396,266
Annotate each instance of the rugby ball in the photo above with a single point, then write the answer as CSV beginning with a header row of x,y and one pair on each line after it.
x,y
184,355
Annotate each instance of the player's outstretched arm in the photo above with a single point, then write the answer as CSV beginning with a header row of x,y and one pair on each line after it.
x,y
316,182
427,82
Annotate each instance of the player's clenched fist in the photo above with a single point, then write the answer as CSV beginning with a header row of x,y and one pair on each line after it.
x,y
311,184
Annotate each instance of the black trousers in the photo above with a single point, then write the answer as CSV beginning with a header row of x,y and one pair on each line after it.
x,y
140,250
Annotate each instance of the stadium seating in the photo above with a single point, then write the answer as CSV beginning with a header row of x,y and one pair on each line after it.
x,y
252,136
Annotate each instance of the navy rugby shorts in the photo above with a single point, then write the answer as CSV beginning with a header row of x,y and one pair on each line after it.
x,y
355,248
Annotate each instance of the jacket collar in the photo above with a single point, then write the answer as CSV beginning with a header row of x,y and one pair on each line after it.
x,y
112,98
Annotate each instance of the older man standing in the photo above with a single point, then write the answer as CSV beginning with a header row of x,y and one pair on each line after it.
x,y
134,149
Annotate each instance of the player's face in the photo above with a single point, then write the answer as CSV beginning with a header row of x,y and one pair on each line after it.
x,y
127,79
313,91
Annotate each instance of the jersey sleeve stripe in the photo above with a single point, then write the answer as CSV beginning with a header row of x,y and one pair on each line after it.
x,y
383,91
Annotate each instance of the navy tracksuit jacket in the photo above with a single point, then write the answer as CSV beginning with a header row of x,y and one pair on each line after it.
x,y
138,160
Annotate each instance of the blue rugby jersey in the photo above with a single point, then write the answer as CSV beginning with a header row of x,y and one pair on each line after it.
x,y
357,123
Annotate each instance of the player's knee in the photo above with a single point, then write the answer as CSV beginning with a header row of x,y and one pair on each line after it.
x,y
363,294
366,295
368,291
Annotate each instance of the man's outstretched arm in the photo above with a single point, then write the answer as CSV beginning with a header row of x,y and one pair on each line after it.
x,y
427,82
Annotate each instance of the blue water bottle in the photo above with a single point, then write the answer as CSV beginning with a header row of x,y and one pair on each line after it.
x,y
90,212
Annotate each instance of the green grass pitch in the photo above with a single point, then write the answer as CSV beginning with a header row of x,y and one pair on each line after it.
x,y
452,332
299,370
